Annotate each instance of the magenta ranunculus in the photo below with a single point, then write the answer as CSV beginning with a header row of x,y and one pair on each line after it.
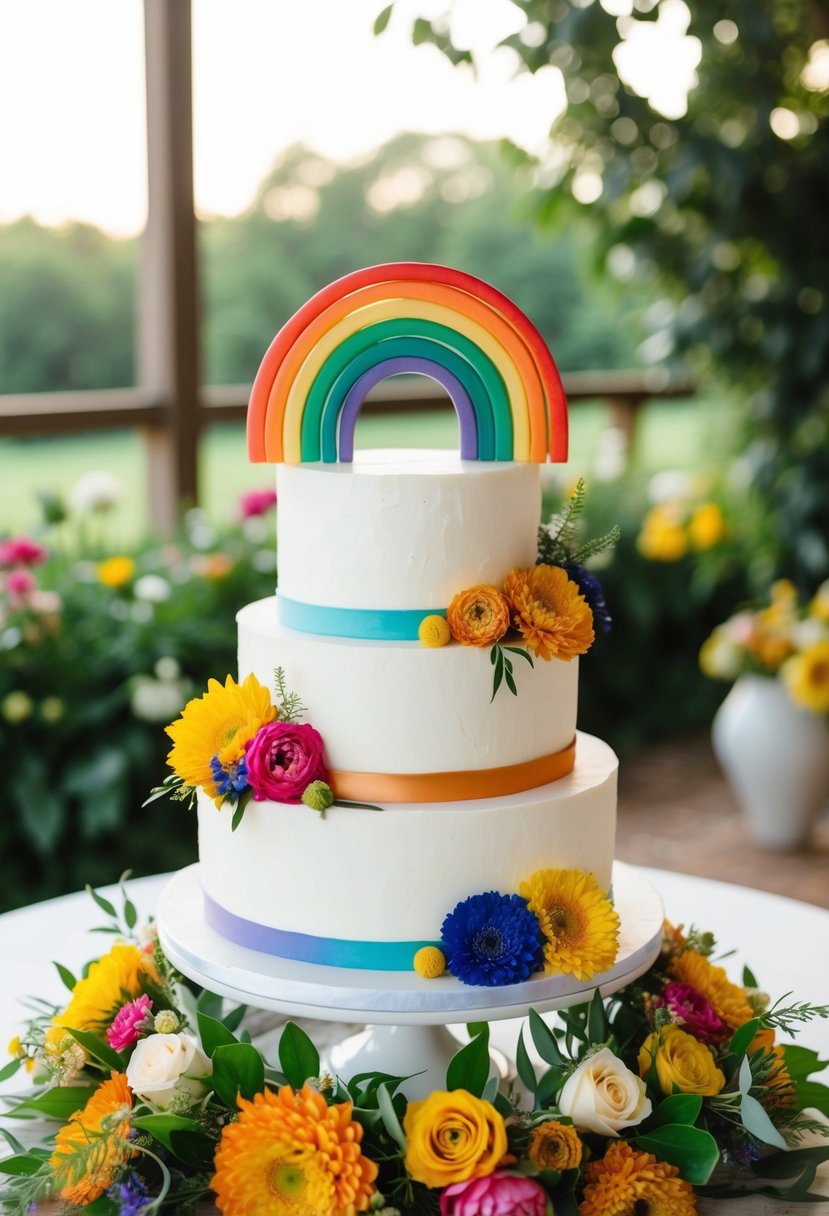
x,y
500,1194
695,1012
282,759
256,502
21,551
128,1023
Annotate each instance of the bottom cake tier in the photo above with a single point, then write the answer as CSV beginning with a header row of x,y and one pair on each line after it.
x,y
367,888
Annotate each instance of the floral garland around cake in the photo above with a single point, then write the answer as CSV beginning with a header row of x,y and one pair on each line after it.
x,y
549,610
673,1088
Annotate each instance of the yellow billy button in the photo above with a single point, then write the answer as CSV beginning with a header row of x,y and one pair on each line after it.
x,y
429,961
434,631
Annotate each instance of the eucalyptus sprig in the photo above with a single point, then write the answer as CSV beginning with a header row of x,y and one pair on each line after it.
x,y
502,667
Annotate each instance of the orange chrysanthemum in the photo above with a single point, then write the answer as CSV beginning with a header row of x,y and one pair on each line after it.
x,y
550,611
625,1182
579,922
217,725
93,1145
116,978
478,616
728,1000
555,1146
290,1154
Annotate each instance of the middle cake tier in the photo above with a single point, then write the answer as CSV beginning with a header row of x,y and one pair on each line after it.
x,y
399,710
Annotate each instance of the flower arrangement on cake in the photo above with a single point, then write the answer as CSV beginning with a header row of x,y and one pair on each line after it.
x,y
787,638
677,1086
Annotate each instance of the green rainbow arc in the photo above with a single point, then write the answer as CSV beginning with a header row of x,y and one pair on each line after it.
x,y
388,339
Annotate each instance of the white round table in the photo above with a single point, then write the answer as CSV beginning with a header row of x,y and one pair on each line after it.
x,y
783,941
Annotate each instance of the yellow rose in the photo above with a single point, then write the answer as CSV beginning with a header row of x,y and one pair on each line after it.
x,y
682,1063
452,1137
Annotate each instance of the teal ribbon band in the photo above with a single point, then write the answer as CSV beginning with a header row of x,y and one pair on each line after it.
x,y
370,624
304,948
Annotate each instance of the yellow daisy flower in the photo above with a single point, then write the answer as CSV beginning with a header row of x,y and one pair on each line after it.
x,y
729,1001
91,1148
218,724
550,611
625,1182
290,1154
577,919
116,977
806,676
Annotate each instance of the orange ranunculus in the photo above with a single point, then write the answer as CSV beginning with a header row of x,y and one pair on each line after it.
x,y
478,616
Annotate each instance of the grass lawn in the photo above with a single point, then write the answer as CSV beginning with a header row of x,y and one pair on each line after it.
x,y
671,435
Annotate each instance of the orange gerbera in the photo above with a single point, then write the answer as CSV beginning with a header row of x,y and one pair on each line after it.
x,y
728,1000
625,1182
290,1154
550,611
478,616
91,1148
555,1146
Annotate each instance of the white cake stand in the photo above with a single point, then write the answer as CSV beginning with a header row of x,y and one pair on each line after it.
x,y
407,1015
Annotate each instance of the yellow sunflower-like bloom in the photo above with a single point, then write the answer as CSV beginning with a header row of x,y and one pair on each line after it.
x,y
555,1146
452,1137
728,1000
116,571
663,537
92,1146
116,978
289,1154
577,919
478,616
682,1063
550,611
218,724
625,1182
806,676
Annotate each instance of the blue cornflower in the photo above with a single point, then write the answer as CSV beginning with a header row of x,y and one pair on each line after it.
x,y
593,592
229,781
492,939
130,1195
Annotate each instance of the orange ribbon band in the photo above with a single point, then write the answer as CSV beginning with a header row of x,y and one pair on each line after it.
x,y
456,786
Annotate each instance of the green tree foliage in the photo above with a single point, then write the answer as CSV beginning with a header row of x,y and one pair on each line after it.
x,y
726,203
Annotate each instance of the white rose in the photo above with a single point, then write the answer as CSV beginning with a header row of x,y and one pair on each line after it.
x,y
162,1063
604,1096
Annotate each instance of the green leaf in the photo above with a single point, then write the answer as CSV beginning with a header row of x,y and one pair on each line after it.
x,y
756,1120
745,1078
470,1067
102,903
209,1003
509,679
742,1037
13,1142
801,1062
677,1108
812,1093
233,1019
498,675
525,654
692,1150
549,1085
58,1103
597,1027
130,914
97,1048
298,1056
748,978
213,1034
66,975
238,815
381,21
390,1120
9,1070
161,1127
545,1040
524,1065
238,1069
20,1166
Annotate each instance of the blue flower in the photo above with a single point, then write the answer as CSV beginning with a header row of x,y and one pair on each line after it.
x,y
593,592
492,939
131,1195
230,781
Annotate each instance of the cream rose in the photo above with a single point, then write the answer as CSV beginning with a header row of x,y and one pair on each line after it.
x,y
161,1063
604,1096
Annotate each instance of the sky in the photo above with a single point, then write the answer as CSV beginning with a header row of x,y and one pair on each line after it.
x,y
267,74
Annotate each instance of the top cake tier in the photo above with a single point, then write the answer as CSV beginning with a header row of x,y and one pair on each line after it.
x,y
369,549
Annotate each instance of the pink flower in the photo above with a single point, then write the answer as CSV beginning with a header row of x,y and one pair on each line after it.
x,y
500,1194
21,551
128,1023
256,502
694,1012
282,759
20,584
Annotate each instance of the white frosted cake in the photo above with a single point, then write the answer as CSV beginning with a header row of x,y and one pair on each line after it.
x,y
454,766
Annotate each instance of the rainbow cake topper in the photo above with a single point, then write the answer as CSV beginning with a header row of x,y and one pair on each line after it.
x,y
407,317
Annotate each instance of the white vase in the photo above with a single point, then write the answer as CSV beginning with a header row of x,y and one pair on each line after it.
x,y
776,757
